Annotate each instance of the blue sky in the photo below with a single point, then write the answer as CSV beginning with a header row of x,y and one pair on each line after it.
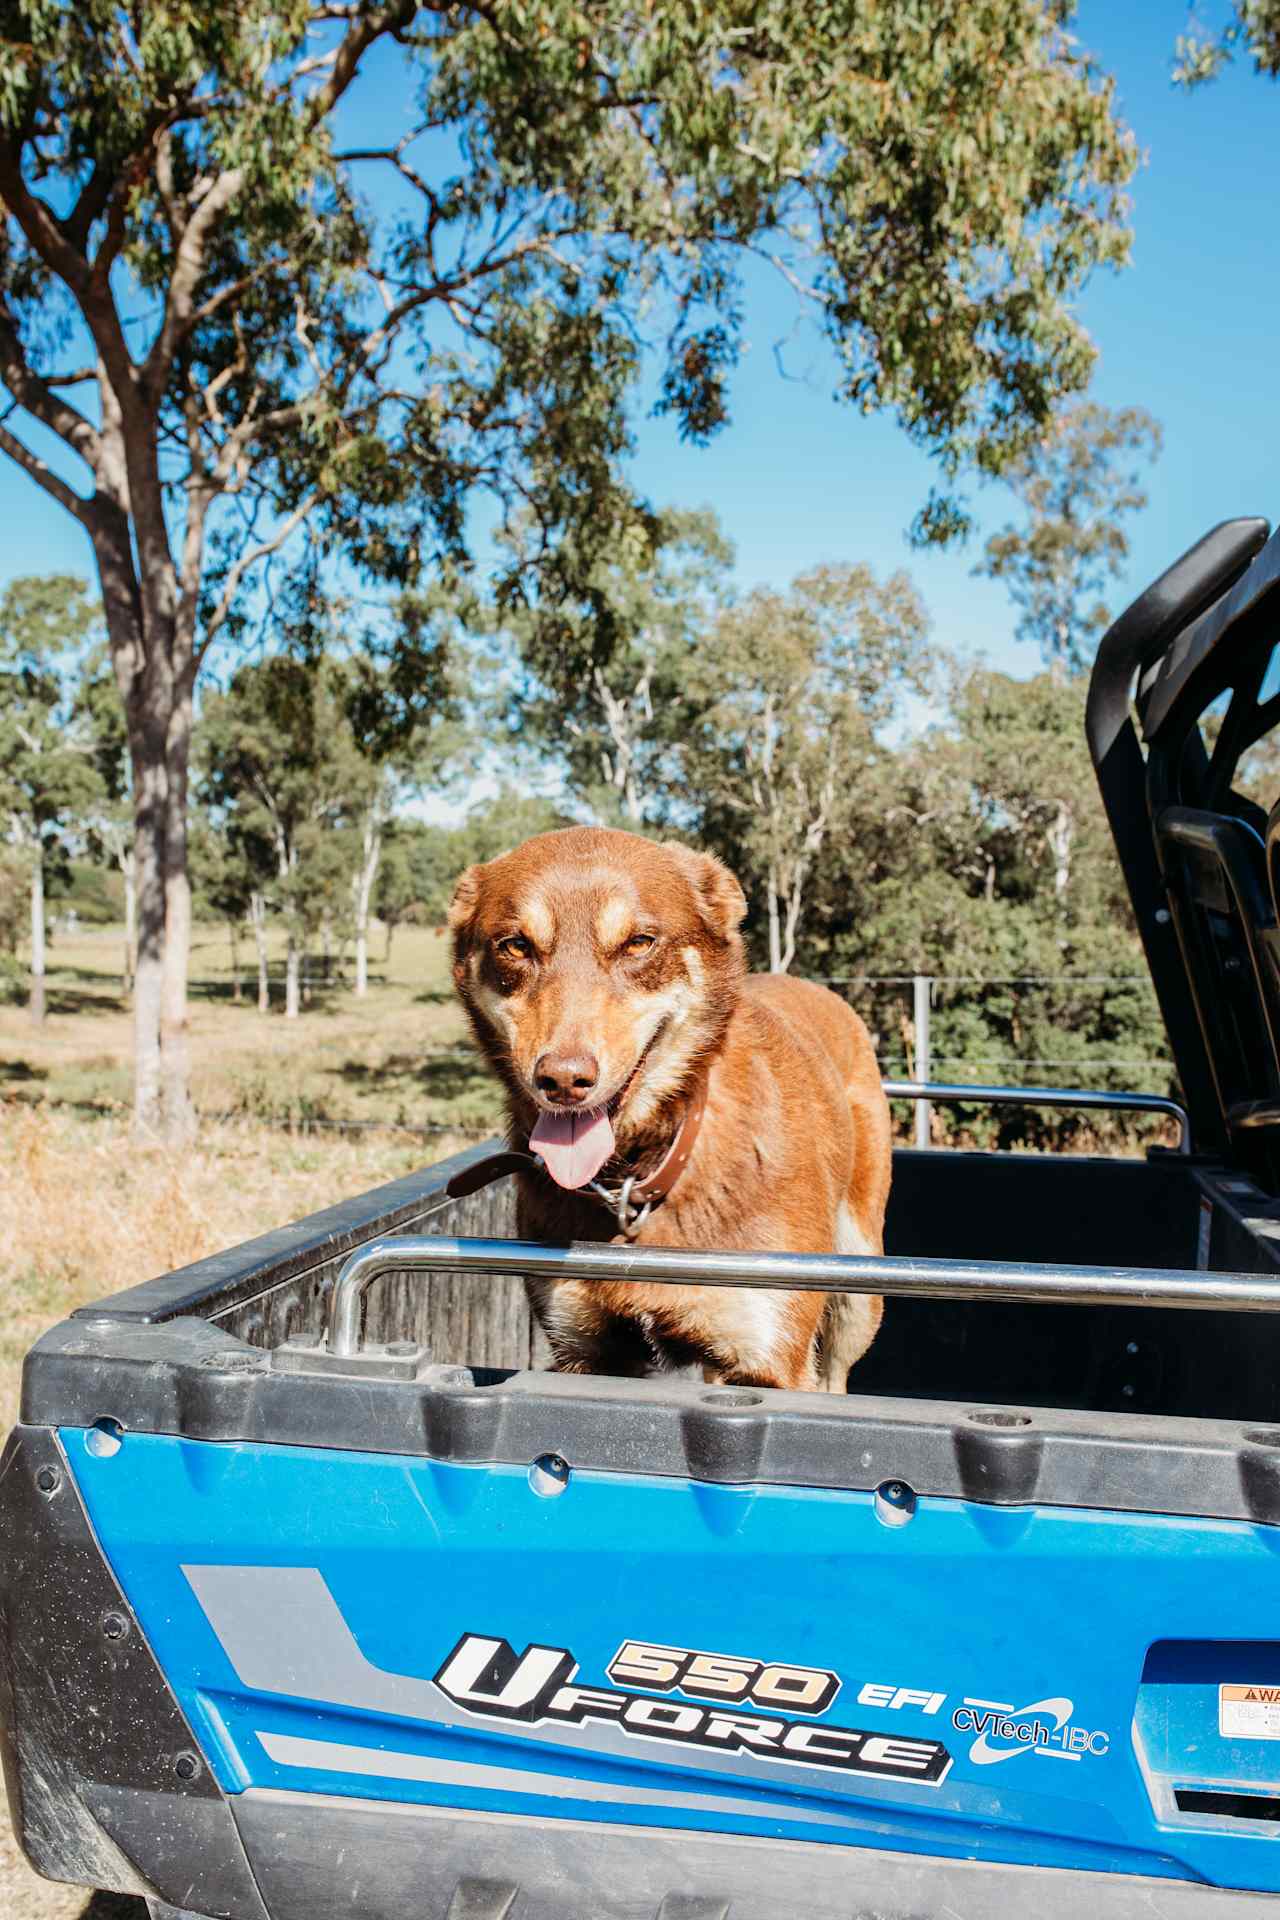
x,y
1188,331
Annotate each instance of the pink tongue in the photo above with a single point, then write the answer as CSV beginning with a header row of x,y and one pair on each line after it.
x,y
574,1146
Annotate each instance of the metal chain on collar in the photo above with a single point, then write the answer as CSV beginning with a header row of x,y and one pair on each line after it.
x,y
630,1218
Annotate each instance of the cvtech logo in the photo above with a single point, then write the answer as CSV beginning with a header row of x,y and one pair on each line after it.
x,y
1044,1728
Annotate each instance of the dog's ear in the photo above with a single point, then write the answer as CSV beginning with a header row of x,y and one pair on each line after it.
x,y
721,901
466,897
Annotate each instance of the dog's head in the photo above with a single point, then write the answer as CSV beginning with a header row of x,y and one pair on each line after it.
x,y
599,970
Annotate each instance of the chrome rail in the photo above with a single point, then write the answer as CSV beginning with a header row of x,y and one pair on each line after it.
x,y
804,1272
956,1093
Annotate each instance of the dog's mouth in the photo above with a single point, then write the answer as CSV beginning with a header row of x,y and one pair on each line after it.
x,y
575,1143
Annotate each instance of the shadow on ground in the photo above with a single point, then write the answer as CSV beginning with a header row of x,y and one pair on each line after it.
x,y
115,1906
72,1000
441,1076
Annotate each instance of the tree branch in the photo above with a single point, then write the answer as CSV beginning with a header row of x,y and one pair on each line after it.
x,y
81,510
353,46
187,265
231,585
45,234
34,393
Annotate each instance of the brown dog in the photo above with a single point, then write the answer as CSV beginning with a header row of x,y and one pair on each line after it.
x,y
606,981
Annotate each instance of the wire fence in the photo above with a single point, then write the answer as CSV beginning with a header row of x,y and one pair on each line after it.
x,y
1100,1032
940,1027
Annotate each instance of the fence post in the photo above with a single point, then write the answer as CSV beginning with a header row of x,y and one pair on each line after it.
x,y
923,1001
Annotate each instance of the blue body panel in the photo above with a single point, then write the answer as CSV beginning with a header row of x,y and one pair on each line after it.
x,y
305,1604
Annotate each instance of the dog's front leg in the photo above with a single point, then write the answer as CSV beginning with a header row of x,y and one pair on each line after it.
x,y
584,1333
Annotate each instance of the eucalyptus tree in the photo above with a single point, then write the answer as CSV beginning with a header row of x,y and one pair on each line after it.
x,y
1078,485
49,779
219,334
602,689
788,702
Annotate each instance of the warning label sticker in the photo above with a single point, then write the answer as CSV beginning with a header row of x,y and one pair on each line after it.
x,y
1249,1713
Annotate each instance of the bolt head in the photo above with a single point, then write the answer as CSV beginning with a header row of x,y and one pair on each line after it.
x,y
48,1479
115,1626
186,1766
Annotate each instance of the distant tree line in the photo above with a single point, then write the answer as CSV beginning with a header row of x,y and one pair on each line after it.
x,y
890,809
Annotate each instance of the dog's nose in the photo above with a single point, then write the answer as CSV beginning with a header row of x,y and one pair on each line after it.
x,y
566,1078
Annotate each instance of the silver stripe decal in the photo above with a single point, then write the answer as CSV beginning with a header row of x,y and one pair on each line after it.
x,y
326,1756
284,1633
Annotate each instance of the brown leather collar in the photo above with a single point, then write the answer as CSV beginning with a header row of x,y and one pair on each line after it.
x,y
634,1196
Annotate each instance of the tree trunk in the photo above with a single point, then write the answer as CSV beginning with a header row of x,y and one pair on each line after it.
x,y
795,901
235,961
775,929
306,972
291,960
1060,837
175,1068
148,844
159,716
37,933
258,919
386,951
370,854
127,868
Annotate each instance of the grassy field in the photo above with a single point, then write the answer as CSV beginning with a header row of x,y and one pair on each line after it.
x,y
82,1212
399,1056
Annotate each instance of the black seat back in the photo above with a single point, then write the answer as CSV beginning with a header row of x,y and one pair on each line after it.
x,y
1215,868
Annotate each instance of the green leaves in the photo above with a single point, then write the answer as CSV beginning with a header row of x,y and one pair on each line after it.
x,y
50,778
1254,26
937,181
1077,488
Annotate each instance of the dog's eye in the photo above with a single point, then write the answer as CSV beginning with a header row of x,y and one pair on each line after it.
x,y
639,943
515,947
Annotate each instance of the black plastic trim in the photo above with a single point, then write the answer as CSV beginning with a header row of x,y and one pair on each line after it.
x,y
1228,1806
1151,622
326,1858
1190,653
192,1380
89,1729
1199,578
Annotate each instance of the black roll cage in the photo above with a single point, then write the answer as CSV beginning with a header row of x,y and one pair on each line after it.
x,y
1207,628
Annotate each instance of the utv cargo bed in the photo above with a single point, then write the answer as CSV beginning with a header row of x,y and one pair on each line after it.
x,y
320,1599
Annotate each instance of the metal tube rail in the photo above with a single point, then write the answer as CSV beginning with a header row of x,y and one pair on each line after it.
x,y
956,1093
803,1272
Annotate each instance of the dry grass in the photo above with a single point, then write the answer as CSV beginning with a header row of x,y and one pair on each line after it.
x,y
399,1056
83,1212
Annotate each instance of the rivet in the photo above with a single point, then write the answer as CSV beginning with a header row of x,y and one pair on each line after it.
x,y
114,1626
894,1503
104,1439
549,1475
186,1766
